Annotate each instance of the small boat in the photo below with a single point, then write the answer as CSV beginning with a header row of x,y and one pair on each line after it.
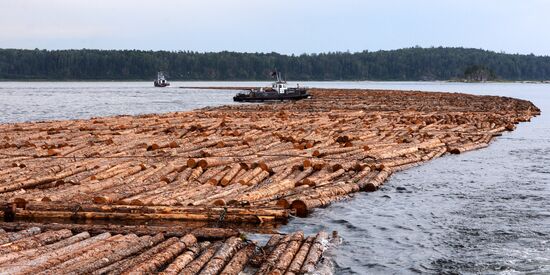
x,y
161,80
278,91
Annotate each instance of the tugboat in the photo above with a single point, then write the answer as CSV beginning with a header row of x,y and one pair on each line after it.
x,y
161,80
278,91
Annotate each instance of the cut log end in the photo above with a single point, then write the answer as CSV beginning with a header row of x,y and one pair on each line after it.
x,y
370,187
283,203
300,208
101,200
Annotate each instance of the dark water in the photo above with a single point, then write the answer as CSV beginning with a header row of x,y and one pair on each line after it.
x,y
486,211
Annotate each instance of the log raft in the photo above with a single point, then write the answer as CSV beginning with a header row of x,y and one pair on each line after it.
x,y
71,252
234,163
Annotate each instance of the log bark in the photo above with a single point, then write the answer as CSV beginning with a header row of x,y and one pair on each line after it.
x,y
237,264
124,267
202,233
49,260
185,258
35,241
152,264
260,255
375,183
118,254
315,252
196,265
290,251
218,261
298,261
30,253
9,237
269,264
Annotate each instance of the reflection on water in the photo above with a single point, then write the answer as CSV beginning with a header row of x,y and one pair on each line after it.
x,y
485,211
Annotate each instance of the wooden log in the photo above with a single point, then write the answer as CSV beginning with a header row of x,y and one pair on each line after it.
x,y
125,266
18,256
260,255
49,260
197,264
315,252
166,256
35,241
312,181
202,233
117,254
377,181
238,262
209,173
92,254
215,161
384,154
14,236
43,180
467,147
258,178
290,251
270,190
300,257
216,264
195,174
127,191
185,258
234,169
218,177
133,211
249,175
269,264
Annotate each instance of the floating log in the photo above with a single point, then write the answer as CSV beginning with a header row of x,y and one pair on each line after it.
x,y
271,260
166,256
290,251
237,264
262,254
216,264
153,245
119,254
49,260
202,233
196,265
375,183
298,261
24,255
182,260
35,241
14,236
315,252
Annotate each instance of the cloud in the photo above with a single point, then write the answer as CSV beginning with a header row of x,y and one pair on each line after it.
x,y
286,26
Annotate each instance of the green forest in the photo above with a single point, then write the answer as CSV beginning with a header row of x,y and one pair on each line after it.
x,y
404,64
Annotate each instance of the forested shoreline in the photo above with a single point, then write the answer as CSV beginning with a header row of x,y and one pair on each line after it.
x,y
410,64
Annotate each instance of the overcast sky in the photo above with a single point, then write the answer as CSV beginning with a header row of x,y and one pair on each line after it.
x,y
285,26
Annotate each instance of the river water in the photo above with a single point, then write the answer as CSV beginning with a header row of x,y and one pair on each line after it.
x,y
486,211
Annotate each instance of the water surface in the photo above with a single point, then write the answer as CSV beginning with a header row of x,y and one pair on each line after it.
x,y
485,211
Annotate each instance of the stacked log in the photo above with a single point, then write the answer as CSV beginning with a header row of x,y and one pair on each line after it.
x,y
311,152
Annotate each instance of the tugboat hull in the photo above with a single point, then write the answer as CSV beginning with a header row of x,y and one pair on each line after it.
x,y
260,96
157,84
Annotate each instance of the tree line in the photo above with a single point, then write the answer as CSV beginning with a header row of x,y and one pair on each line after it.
x,y
404,64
